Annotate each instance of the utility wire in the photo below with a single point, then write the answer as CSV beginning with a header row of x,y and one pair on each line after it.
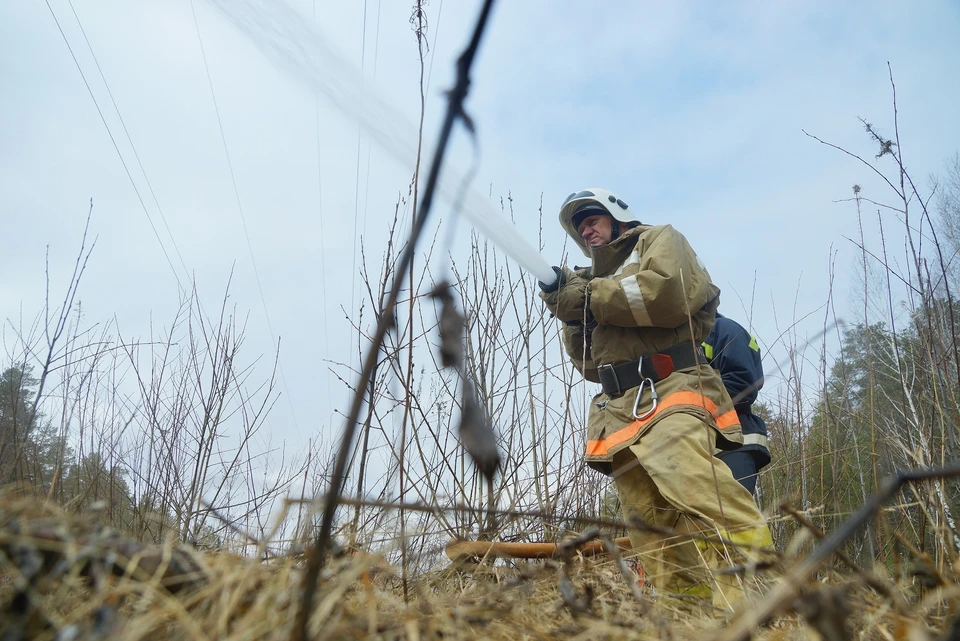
x,y
243,220
103,119
323,258
136,155
376,53
356,188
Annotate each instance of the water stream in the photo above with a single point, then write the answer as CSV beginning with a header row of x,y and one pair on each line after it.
x,y
292,44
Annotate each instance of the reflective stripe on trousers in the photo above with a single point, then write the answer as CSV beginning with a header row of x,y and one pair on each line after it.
x,y
725,420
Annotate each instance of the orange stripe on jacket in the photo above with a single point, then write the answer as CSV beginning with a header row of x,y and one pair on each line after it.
x,y
725,420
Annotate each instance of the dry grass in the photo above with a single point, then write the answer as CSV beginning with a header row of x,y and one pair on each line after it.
x,y
66,578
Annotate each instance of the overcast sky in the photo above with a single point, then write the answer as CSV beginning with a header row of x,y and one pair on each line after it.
x,y
691,111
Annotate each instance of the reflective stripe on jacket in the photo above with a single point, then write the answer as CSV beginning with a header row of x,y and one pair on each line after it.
x,y
736,355
640,288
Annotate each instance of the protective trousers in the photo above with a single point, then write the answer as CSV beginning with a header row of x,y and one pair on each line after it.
x,y
669,479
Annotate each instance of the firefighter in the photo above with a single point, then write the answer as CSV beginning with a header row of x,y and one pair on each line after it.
x,y
735,354
633,322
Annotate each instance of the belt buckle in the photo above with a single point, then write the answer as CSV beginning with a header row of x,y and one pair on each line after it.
x,y
613,373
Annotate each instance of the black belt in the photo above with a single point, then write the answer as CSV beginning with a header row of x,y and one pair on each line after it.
x,y
616,379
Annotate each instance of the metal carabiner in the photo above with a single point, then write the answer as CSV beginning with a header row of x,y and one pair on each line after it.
x,y
653,395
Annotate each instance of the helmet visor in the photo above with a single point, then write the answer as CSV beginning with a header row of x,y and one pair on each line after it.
x,y
579,194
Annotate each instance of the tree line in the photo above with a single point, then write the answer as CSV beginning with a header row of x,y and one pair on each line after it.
x,y
889,399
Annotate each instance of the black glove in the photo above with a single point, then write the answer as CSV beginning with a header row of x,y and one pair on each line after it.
x,y
555,285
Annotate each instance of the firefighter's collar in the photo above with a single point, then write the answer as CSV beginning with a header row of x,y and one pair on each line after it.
x,y
607,258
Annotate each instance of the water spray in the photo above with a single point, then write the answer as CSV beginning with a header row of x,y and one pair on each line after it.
x,y
292,43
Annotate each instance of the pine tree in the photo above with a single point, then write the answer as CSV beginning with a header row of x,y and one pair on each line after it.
x,y
16,421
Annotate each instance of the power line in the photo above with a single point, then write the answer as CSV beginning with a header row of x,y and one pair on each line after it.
x,y
323,258
243,220
143,171
366,180
130,140
356,188
116,147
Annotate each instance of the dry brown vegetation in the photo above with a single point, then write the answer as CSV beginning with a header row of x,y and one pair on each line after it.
x,y
66,577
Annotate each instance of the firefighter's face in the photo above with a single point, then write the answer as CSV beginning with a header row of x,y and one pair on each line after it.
x,y
596,230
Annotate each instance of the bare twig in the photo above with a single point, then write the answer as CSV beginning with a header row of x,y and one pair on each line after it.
x,y
318,550
751,618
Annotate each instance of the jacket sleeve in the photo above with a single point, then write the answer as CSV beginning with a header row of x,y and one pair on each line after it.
x,y
736,355
670,281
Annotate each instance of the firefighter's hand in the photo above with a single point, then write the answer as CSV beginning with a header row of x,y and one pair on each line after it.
x,y
572,298
549,288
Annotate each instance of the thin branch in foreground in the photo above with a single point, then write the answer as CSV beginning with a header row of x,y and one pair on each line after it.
x,y
317,553
750,619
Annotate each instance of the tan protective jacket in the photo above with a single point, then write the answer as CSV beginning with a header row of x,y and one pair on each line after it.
x,y
639,291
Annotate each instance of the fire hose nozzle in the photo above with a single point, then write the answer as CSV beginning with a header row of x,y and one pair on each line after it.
x,y
555,285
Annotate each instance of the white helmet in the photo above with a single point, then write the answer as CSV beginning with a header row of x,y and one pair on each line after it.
x,y
602,201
